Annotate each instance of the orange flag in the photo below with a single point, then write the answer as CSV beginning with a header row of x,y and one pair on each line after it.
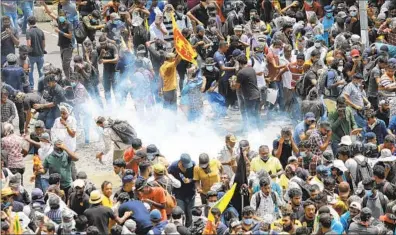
x,y
182,45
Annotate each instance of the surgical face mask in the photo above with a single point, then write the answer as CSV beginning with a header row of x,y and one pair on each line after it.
x,y
340,68
276,51
317,44
248,221
265,158
369,193
353,13
73,84
303,154
329,15
211,204
209,68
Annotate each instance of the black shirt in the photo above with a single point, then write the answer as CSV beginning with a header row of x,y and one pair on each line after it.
x,y
36,37
248,80
63,41
79,205
110,53
384,116
186,190
200,13
286,152
121,190
99,216
307,223
7,45
157,58
211,76
57,94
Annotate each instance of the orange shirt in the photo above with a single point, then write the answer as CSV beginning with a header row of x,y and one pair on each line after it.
x,y
157,194
128,156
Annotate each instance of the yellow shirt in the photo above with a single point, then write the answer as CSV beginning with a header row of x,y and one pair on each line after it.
x,y
207,180
107,202
273,164
275,225
168,75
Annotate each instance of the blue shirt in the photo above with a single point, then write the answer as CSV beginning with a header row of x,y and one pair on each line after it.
x,y
392,124
298,130
337,227
344,219
13,76
152,15
139,213
186,190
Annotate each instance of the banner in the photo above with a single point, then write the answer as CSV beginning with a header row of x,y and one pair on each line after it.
x,y
182,45
223,202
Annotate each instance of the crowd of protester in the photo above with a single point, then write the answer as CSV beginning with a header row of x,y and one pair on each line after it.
x,y
331,172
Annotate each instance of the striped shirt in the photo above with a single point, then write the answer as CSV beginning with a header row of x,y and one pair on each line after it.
x,y
11,144
55,215
169,28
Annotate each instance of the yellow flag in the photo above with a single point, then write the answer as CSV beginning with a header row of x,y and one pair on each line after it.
x,y
248,53
146,24
182,45
17,229
223,202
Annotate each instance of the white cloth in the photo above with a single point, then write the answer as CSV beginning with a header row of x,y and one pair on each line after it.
x,y
156,33
59,132
109,137
286,76
259,67
43,152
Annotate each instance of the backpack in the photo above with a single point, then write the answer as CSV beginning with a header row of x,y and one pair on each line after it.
x,y
123,130
273,196
382,201
304,189
170,199
367,70
363,170
80,32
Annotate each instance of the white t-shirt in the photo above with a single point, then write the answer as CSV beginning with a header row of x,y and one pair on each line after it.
x,y
259,67
286,76
59,132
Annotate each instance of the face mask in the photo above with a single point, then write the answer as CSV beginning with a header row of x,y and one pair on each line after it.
x,y
303,154
5,205
93,21
317,44
276,51
209,68
195,218
73,84
248,221
264,158
329,15
211,204
353,13
340,68
62,19
369,193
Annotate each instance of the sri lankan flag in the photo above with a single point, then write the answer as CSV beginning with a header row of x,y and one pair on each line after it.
x,y
223,202
182,45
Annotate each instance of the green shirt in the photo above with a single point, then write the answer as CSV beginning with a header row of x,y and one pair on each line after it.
x,y
342,127
60,165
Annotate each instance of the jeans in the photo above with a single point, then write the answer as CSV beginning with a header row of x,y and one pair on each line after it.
x,y
66,56
186,204
360,121
108,83
41,183
253,115
280,98
154,89
170,100
14,19
39,60
48,116
374,102
27,12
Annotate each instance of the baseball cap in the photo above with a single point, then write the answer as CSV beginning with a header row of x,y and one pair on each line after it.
x,y
39,124
155,215
388,218
384,102
79,183
140,183
186,160
159,169
355,52
171,229
130,225
346,140
326,125
122,9
355,205
152,150
353,8
177,211
342,14
203,160
370,135
385,153
67,219
238,28
339,165
7,192
37,194
44,136
236,53
310,116
127,179
200,28
11,58
291,159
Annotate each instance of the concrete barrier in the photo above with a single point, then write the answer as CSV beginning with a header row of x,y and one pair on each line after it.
x,y
41,16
